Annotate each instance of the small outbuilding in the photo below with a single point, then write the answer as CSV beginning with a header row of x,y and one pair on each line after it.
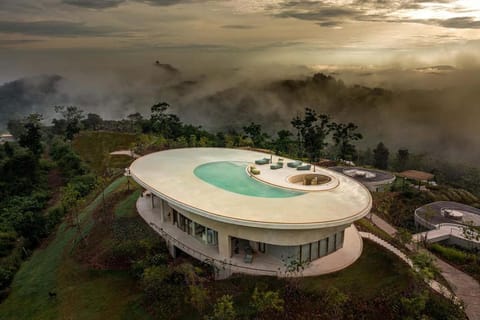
x,y
374,180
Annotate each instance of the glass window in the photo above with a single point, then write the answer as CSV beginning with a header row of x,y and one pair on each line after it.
x,y
189,226
314,250
339,242
305,252
175,217
200,231
261,247
212,237
323,247
331,243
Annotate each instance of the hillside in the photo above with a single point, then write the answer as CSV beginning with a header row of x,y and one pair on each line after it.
x,y
114,266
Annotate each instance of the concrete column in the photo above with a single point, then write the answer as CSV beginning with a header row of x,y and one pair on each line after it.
x,y
171,249
162,211
224,245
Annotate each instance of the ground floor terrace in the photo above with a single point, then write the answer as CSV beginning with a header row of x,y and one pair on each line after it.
x,y
233,252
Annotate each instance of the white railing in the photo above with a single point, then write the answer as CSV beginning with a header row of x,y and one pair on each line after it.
x,y
210,260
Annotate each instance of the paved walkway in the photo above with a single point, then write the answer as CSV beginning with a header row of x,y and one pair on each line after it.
x,y
465,287
384,225
125,153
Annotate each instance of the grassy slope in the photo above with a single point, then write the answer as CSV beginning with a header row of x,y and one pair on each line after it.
x,y
375,270
94,148
81,293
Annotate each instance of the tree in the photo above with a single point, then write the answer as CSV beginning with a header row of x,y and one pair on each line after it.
x,y
167,124
312,132
403,157
380,156
343,135
366,157
71,201
223,309
92,122
254,132
316,134
70,124
136,120
297,123
197,297
31,136
283,142
404,236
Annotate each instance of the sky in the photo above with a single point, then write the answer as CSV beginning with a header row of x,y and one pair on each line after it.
x,y
36,35
219,62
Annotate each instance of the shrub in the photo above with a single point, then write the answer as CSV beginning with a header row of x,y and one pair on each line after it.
x,y
451,254
8,240
267,301
6,276
84,184
223,309
53,218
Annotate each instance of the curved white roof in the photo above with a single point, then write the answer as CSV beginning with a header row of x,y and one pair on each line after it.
x,y
170,175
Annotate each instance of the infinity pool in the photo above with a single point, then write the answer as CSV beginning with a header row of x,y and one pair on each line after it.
x,y
232,176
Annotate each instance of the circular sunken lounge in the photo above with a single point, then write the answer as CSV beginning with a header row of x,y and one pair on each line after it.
x,y
218,205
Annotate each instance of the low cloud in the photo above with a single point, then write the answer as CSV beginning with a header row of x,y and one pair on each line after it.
x,y
329,13
94,4
238,26
460,23
55,28
105,4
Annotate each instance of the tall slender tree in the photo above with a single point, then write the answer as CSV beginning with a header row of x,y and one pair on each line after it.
x,y
31,136
343,136
380,156
254,131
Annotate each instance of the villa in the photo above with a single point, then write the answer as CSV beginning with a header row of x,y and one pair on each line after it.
x,y
374,180
251,212
6,137
446,221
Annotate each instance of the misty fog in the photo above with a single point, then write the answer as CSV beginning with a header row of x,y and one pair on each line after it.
x,y
430,109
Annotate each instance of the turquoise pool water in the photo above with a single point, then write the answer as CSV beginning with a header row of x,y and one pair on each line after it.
x,y
231,176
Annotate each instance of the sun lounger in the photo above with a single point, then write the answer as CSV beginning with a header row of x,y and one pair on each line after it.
x,y
248,258
304,167
262,161
276,166
294,164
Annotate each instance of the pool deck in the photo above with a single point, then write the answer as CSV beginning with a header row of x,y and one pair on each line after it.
x,y
262,264
169,175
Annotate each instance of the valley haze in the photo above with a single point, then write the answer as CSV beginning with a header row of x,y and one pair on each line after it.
x,y
405,71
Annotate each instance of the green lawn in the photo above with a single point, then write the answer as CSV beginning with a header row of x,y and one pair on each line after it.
x,y
127,208
95,146
375,270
